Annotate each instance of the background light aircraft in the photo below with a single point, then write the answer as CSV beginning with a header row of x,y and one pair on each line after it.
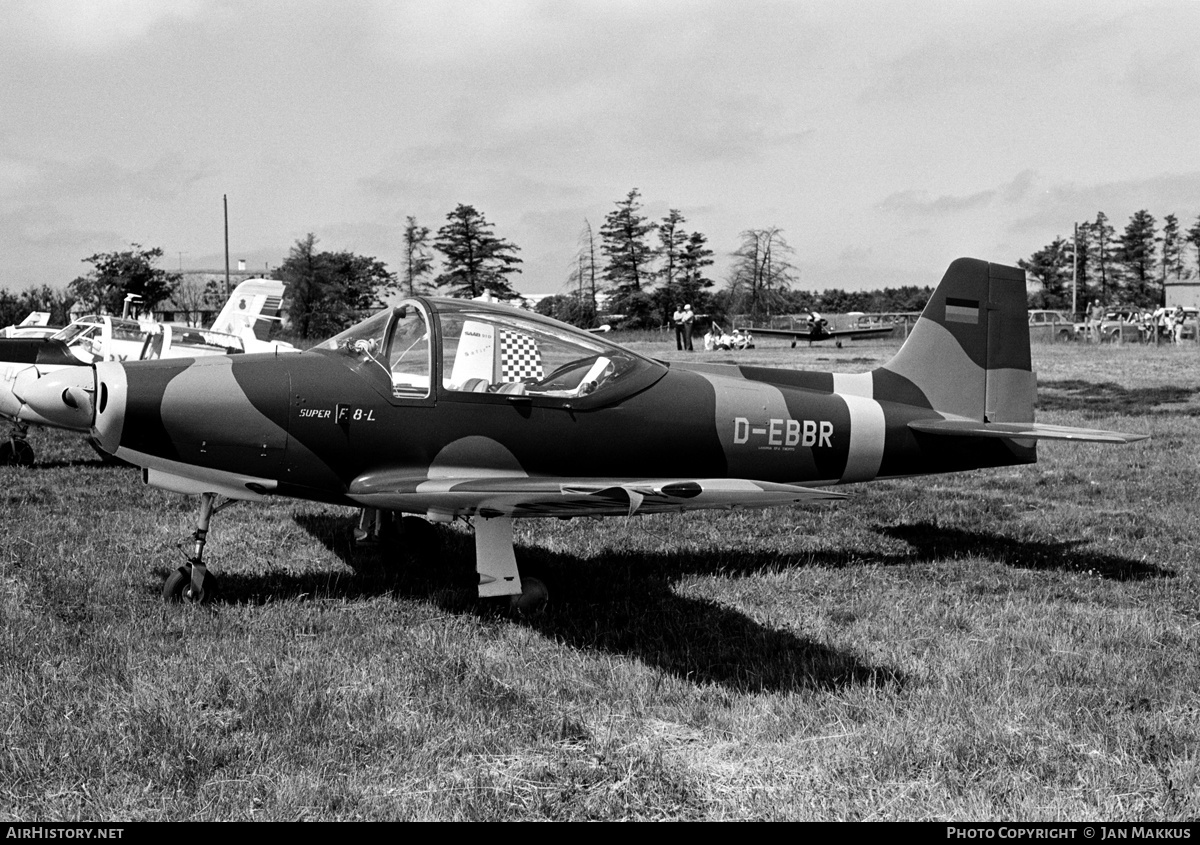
x,y
453,409
819,329
36,324
240,326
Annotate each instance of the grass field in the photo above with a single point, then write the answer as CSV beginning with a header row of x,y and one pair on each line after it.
x,y
1009,644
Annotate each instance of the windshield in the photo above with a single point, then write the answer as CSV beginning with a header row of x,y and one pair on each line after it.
x,y
78,328
395,343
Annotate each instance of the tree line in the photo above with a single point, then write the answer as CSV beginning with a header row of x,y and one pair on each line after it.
x,y
638,271
1131,267
635,270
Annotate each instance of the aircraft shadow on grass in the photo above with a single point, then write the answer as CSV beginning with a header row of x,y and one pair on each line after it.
x,y
625,604
934,543
1109,398
619,604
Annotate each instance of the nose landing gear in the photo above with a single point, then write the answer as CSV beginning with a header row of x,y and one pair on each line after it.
x,y
192,582
16,451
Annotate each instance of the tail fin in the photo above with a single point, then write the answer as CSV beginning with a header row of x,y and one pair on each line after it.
x,y
254,303
968,354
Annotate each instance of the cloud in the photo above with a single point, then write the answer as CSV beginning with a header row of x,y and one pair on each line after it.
x,y
90,25
919,202
1019,188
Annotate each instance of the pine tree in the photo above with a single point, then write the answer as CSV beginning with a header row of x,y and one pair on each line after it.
x,y
476,260
623,242
1083,249
696,256
672,239
1171,260
1136,253
1193,237
1102,234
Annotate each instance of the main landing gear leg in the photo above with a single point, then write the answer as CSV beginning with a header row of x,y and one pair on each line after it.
x,y
497,567
192,582
369,531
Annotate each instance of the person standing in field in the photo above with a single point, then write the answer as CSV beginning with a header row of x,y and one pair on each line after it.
x,y
1095,318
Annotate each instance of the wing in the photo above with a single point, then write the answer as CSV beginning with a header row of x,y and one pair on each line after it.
x,y
803,334
866,332
788,333
521,496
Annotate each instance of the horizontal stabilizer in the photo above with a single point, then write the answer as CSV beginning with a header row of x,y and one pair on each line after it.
x,y
1025,431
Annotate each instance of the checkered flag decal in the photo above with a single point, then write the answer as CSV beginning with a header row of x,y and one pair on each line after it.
x,y
519,357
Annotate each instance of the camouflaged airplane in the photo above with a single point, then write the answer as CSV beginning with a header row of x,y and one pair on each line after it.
x,y
454,409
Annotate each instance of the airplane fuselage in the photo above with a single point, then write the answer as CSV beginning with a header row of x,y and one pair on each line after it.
x,y
313,426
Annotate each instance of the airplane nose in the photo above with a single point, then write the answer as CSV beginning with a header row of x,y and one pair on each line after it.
x,y
112,388
61,398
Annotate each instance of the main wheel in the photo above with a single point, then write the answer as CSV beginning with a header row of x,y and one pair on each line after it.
x,y
532,600
419,537
178,587
16,451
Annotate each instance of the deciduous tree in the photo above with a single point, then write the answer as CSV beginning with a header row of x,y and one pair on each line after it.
x,y
330,291
583,278
418,260
761,272
1051,265
116,275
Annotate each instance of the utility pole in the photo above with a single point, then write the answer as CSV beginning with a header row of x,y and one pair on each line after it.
x,y
1075,274
225,201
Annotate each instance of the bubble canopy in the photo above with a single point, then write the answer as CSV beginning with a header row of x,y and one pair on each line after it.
x,y
463,350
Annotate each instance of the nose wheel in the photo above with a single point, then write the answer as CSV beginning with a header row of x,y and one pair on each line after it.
x,y
16,451
192,582
178,588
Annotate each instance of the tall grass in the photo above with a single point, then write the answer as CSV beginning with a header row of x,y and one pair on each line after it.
x,y
1009,644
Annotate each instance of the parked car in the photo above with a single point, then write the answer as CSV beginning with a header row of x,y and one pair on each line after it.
x,y
1124,324
1051,326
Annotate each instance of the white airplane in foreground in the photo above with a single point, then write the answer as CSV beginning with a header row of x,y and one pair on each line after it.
x,y
241,326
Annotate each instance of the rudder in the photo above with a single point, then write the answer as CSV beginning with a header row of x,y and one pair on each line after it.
x,y
968,353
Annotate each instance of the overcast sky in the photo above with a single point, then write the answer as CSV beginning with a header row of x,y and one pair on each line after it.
x,y
884,138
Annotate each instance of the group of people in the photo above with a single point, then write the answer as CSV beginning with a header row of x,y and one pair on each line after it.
x,y
684,319
1162,324
718,339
